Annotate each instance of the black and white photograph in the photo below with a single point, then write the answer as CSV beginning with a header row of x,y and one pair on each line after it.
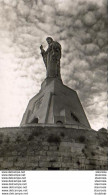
x,y
53,85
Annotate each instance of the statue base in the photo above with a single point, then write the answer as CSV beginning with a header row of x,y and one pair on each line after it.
x,y
55,104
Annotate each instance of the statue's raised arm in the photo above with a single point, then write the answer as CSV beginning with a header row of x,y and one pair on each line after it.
x,y
51,58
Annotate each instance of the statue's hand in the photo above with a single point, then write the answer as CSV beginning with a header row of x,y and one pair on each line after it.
x,y
41,47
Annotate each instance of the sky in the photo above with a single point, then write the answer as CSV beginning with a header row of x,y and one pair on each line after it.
x,y
81,27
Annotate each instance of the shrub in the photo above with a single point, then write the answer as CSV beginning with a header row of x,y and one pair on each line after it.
x,y
92,153
33,134
18,139
78,162
54,139
30,137
81,139
62,134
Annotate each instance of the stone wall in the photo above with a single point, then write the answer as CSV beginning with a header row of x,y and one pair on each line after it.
x,y
53,148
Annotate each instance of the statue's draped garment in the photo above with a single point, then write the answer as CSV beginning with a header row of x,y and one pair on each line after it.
x,y
51,59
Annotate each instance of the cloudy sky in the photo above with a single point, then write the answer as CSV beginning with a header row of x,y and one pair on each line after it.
x,y
81,28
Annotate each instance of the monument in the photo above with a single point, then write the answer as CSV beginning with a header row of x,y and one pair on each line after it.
x,y
54,133
55,103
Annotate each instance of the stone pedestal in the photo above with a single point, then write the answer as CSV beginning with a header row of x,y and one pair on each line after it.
x,y
55,104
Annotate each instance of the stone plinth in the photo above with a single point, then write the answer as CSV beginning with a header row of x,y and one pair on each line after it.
x,y
55,104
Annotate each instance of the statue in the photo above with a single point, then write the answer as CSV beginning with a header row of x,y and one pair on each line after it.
x,y
51,58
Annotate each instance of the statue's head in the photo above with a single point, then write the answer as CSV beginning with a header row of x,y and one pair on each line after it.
x,y
49,40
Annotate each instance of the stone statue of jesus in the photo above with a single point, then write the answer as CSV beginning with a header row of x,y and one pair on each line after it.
x,y
51,58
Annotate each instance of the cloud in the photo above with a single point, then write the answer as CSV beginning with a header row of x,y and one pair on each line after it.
x,y
89,18
81,29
